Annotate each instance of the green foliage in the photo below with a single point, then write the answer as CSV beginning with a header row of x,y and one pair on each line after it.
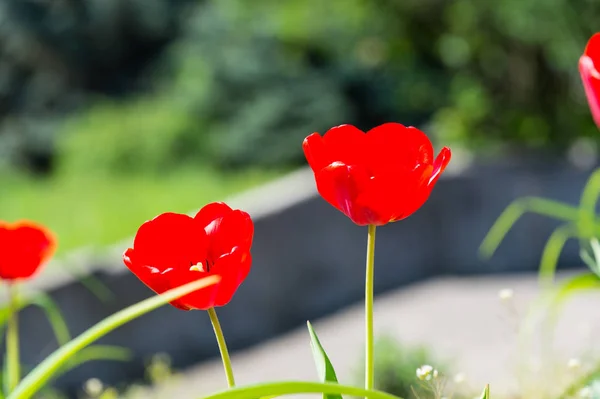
x,y
486,392
324,366
109,207
235,83
55,56
579,222
396,365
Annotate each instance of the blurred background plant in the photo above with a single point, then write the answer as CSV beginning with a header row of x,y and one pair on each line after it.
x,y
396,371
112,96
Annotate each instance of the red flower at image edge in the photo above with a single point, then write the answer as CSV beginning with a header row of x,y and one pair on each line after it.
x,y
377,177
590,76
175,249
24,247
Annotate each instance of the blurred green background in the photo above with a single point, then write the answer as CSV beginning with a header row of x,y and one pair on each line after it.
x,y
112,111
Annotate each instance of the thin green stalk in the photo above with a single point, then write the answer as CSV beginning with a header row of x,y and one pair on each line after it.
x,y
297,387
12,339
369,357
579,384
53,363
222,347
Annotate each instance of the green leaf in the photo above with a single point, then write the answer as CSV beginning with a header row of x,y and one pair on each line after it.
x,y
593,260
296,387
552,251
54,315
51,310
577,284
53,363
486,392
518,208
587,204
324,366
97,352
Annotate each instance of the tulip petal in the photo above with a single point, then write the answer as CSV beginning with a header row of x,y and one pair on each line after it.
x,y
233,269
202,299
394,146
151,276
170,240
340,185
315,152
346,144
211,212
235,229
24,247
439,165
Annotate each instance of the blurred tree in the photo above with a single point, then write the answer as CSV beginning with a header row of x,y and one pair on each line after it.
x,y
246,81
55,53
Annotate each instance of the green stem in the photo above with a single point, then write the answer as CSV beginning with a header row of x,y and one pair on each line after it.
x,y
53,363
222,347
369,357
12,339
579,384
297,387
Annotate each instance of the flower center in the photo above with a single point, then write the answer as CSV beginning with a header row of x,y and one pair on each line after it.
x,y
201,267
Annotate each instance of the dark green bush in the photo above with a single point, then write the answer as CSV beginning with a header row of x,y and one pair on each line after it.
x,y
251,79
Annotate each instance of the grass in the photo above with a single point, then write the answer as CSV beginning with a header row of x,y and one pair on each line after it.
x,y
99,211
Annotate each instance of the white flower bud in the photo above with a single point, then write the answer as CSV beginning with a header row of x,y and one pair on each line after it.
x,y
506,294
426,373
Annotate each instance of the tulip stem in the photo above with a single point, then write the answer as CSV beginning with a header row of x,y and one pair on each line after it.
x,y
369,357
12,339
222,347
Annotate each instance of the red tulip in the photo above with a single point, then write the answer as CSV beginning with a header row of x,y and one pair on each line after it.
x,y
24,247
375,178
590,76
174,249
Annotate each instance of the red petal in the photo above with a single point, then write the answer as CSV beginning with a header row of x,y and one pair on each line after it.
x,y
202,299
234,230
396,195
170,240
212,212
441,161
394,146
233,269
24,247
417,192
315,152
592,49
154,278
341,185
591,83
346,144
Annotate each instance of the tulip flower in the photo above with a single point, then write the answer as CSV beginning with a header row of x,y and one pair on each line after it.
x,y
374,178
174,249
377,177
588,68
24,247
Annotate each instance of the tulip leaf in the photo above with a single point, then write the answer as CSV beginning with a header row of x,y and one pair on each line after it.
x,y
44,371
486,392
50,309
96,352
271,389
324,366
518,208
574,285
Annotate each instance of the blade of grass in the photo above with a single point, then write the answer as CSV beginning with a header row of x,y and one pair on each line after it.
x,y
297,387
518,208
47,368
324,366
552,251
